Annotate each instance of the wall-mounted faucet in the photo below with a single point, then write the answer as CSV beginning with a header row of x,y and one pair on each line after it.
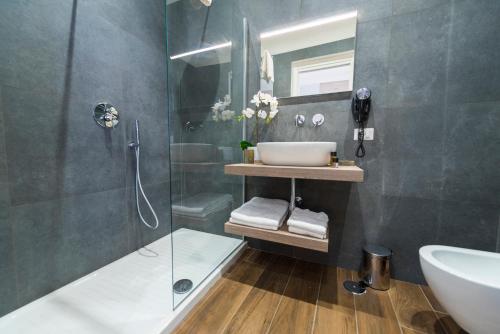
x,y
318,120
300,120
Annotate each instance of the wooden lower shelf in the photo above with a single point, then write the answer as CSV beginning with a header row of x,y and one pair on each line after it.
x,y
281,236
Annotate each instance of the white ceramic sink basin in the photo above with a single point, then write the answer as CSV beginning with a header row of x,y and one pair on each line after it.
x,y
309,154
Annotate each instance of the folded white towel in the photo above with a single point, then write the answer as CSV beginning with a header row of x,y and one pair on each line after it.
x,y
297,230
265,227
267,67
315,222
262,212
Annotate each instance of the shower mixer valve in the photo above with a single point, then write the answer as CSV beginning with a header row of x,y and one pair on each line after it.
x,y
106,115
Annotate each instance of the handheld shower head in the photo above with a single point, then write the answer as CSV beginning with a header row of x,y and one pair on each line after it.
x,y
207,3
134,144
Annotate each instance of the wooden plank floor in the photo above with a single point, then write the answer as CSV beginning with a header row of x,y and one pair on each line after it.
x,y
265,293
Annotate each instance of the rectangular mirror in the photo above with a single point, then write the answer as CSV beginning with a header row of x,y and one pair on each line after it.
x,y
312,60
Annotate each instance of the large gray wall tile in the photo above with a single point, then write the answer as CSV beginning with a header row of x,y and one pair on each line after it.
x,y
474,73
471,150
417,58
367,9
59,241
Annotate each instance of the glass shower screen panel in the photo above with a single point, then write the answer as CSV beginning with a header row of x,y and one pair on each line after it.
x,y
206,58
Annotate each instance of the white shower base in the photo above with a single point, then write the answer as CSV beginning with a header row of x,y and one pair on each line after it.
x,y
132,294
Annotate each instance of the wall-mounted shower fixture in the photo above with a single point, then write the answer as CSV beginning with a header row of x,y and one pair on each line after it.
x,y
135,146
106,115
207,3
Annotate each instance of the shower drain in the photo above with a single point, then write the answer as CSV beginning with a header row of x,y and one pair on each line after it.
x,y
183,286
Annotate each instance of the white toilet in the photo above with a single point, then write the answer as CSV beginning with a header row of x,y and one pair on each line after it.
x,y
467,284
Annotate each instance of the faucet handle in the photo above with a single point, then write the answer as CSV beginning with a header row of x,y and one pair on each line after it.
x,y
300,120
318,120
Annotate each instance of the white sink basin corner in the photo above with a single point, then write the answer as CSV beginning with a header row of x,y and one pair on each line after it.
x,y
305,154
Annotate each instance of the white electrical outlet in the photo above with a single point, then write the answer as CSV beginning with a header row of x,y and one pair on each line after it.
x,y
369,133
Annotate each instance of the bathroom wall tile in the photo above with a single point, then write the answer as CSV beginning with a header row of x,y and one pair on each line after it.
x,y
469,225
367,10
159,197
418,51
59,241
288,12
198,25
407,6
33,138
8,288
58,60
147,23
471,148
372,59
4,177
412,155
406,216
473,76
36,231
283,126
34,45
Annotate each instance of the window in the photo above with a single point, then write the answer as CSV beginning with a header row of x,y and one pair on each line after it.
x,y
327,74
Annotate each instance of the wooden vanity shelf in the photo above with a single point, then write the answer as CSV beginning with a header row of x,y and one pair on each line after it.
x,y
342,173
281,236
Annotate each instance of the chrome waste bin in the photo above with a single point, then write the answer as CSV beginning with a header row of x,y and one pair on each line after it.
x,y
375,269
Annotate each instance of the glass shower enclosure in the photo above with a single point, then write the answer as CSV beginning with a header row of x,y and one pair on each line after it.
x,y
206,54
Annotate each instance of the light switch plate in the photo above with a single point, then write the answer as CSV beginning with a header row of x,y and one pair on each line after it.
x,y
369,133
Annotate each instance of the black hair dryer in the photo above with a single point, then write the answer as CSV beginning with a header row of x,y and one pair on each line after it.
x,y
360,107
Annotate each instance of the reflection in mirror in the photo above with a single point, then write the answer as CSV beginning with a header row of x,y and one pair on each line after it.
x,y
311,58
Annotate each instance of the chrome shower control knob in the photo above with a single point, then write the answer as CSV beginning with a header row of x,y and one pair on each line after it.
x,y
300,120
106,115
318,120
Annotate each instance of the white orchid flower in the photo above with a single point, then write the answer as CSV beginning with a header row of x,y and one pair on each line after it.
x,y
248,112
262,114
273,113
218,106
227,115
266,98
274,104
256,99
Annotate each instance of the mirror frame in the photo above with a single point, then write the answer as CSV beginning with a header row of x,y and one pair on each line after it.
x,y
291,100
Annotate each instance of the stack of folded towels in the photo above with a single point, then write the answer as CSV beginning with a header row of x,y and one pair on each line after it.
x,y
306,222
261,212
